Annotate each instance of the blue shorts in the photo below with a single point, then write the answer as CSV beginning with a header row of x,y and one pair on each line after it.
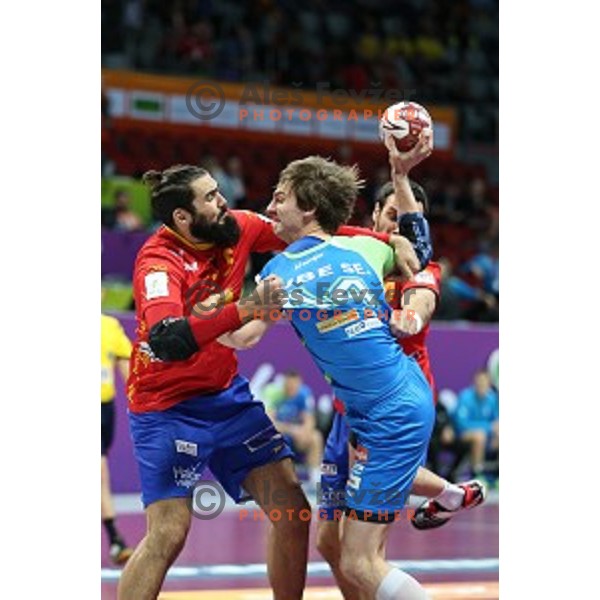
x,y
228,431
392,443
334,470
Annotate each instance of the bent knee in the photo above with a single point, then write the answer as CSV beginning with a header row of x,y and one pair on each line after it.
x,y
167,538
355,568
328,543
296,498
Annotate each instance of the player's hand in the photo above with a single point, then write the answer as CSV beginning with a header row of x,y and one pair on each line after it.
x,y
268,296
402,162
405,323
407,262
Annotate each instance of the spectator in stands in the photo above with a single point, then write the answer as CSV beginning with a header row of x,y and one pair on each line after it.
x,y
450,204
291,406
476,420
445,439
196,49
450,49
235,181
485,268
105,107
479,203
125,218
459,300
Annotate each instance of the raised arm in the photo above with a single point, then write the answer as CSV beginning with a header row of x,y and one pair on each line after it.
x,y
401,164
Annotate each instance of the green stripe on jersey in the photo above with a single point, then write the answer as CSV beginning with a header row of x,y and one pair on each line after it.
x,y
379,255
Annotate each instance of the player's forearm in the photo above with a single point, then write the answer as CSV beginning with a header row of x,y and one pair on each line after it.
x,y
246,336
404,199
180,338
421,302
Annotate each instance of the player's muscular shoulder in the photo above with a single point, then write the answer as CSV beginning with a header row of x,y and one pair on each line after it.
x,y
160,258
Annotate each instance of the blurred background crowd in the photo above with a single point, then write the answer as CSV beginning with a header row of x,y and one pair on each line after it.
x,y
447,52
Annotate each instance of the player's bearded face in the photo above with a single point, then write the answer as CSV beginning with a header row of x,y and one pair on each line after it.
x,y
223,231
212,222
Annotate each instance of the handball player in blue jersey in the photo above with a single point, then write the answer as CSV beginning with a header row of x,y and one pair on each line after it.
x,y
334,293
444,499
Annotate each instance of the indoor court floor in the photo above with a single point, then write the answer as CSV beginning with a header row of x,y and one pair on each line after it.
x,y
223,558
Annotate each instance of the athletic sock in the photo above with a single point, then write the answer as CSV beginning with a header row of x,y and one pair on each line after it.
x,y
452,496
113,534
398,585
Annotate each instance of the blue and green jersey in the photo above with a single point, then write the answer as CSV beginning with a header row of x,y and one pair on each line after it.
x,y
336,298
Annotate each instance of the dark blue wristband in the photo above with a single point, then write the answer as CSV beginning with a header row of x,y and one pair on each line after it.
x,y
415,228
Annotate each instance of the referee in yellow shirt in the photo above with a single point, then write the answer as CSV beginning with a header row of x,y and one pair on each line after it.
x,y
116,349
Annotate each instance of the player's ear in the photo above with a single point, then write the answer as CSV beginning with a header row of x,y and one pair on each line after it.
x,y
180,216
375,214
309,215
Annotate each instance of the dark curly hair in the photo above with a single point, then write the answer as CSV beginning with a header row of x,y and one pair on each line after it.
x,y
171,189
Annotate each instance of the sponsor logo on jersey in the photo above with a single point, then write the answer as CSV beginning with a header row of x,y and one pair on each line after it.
x,y
184,447
303,263
157,285
337,321
185,477
329,469
366,325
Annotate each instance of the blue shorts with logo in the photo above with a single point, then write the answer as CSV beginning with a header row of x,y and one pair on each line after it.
x,y
334,470
229,432
392,440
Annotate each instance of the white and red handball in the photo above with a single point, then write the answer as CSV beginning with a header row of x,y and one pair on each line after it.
x,y
405,121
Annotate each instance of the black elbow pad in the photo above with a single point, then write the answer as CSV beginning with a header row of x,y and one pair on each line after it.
x,y
172,339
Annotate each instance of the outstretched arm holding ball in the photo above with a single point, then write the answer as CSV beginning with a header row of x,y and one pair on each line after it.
x,y
411,222
401,164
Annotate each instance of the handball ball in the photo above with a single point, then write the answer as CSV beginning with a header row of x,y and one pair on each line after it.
x,y
405,121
